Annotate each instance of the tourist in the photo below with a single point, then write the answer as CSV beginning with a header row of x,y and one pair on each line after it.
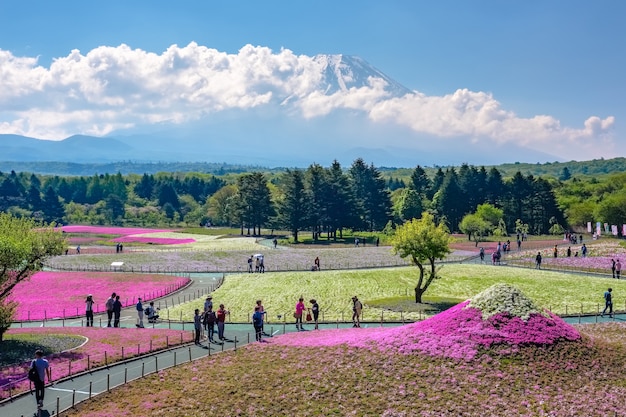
x,y
261,264
197,325
298,313
538,261
377,241
618,269
275,242
89,310
209,322
482,254
569,251
208,303
78,250
117,311
151,312
613,267
43,370
257,322
257,265
221,319
250,264
139,307
357,307
259,304
316,262
356,242
583,250
608,302
109,308
556,251
315,309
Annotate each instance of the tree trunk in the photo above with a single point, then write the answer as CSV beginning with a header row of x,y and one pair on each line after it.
x,y
295,236
418,295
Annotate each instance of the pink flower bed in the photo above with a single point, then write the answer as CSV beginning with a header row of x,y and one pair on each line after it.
x,y
118,344
62,294
459,332
153,240
110,230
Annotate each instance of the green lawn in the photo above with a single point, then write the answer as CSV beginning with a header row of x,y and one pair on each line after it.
x,y
387,289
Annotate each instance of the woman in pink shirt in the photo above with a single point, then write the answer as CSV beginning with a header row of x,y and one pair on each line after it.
x,y
298,314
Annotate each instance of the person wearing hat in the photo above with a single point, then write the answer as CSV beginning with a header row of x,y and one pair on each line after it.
x,y
140,313
89,310
208,303
356,311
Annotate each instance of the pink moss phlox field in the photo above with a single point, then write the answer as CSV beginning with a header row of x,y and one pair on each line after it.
x,y
91,354
63,294
153,240
459,332
110,230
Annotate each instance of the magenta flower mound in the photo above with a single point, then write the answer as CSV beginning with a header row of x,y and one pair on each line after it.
x,y
153,240
50,295
110,230
460,332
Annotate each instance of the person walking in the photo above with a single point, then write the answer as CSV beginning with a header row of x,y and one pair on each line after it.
x,y
89,310
482,254
109,307
613,267
608,302
315,309
618,269
197,325
538,261
43,369
357,307
300,307
250,264
221,320
117,311
257,322
139,308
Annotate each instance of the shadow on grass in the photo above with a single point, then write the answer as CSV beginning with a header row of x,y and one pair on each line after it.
x,y
19,348
407,304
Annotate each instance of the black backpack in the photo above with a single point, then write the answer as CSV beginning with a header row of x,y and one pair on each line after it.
x,y
33,374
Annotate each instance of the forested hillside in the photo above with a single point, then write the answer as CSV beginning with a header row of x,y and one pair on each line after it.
x,y
319,199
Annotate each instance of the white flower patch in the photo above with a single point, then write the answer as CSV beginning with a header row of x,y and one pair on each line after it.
x,y
504,298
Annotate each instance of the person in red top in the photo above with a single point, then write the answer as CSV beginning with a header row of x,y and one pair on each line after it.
x,y
300,307
221,318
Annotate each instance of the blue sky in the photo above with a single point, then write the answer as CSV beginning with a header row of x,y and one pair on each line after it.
x,y
560,59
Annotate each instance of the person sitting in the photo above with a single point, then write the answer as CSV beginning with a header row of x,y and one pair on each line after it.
x,y
151,312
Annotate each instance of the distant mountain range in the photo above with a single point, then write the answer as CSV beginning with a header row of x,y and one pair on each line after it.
x,y
274,136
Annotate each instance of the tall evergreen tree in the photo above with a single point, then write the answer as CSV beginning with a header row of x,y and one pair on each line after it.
x,y
293,207
52,207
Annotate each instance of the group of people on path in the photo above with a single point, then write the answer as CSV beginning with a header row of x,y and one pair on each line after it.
x,y
208,320
258,262
113,308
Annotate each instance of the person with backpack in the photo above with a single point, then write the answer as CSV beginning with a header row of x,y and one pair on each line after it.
x,y
109,307
42,367
608,302
257,322
209,320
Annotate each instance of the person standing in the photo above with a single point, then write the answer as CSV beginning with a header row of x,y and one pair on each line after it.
x,y
618,269
583,250
221,320
482,254
197,326
250,264
357,307
569,251
139,308
259,304
257,322
210,320
117,311
608,302
300,307
315,309
109,308
317,263
89,310
538,261
275,242
556,251
613,267
208,303
43,370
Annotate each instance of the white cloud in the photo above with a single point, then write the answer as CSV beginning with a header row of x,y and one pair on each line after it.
x,y
112,88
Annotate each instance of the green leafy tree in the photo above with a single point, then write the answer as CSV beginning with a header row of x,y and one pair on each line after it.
x,y
24,246
473,225
408,204
293,203
422,241
222,206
